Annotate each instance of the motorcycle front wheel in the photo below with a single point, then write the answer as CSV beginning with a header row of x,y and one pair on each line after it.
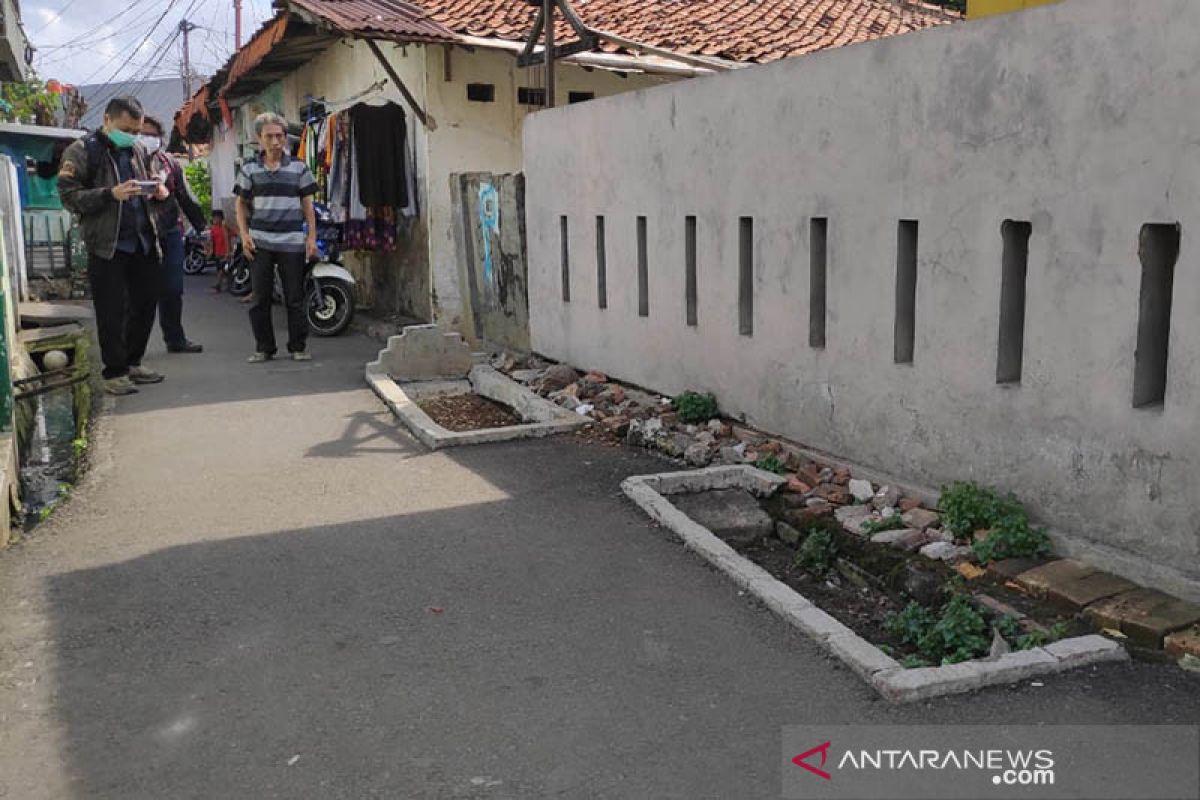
x,y
239,277
329,305
195,262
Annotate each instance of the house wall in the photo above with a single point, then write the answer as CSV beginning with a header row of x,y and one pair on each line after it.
x,y
398,281
484,137
1077,117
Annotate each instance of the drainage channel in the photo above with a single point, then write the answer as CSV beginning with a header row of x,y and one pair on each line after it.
x,y
53,410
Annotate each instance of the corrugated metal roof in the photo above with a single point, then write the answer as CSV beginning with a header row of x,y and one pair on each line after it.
x,y
161,99
382,18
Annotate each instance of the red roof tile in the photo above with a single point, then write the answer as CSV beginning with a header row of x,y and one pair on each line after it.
x,y
739,30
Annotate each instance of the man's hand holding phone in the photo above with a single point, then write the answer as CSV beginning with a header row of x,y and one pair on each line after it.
x,y
127,190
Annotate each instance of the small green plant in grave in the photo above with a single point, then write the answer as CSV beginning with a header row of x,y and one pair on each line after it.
x,y
79,446
892,523
818,550
910,624
960,633
967,507
771,463
695,408
1012,537
1009,627
1028,641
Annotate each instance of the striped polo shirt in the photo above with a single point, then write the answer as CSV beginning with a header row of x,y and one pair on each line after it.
x,y
277,218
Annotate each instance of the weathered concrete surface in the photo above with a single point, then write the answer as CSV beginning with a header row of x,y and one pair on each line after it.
x,y
732,514
541,417
247,577
1061,116
423,353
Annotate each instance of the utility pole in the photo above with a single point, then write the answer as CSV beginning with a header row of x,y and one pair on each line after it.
x,y
548,16
185,28
237,24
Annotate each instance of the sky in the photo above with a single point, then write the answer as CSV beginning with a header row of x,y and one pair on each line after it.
x,y
101,41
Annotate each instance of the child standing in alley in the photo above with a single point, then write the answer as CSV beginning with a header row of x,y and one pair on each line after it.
x,y
218,245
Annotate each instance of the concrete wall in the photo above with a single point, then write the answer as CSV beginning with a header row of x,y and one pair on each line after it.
x,y
484,137
489,236
1078,117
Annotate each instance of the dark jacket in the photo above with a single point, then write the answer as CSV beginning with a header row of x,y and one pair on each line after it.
x,y
85,182
181,201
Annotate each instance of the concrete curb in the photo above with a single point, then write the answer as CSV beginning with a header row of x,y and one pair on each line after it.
x,y
895,683
542,418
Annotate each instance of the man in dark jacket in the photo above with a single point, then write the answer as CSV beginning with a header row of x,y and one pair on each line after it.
x,y
170,235
105,181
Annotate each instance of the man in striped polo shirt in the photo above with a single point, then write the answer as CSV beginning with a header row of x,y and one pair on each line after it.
x,y
274,202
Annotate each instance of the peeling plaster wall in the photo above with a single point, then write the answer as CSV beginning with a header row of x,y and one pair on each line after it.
x,y
1078,117
484,137
397,281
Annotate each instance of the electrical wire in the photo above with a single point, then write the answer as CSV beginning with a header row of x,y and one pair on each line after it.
x,y
55,17
82,39
171,5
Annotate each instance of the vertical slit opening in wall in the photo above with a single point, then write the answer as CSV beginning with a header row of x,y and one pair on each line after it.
x,y
906,291
601,265
818,231
566,259
1158,250
643,270
746,276
689,265
1014,266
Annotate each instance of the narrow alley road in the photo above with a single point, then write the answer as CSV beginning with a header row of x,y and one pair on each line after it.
x,y
265,590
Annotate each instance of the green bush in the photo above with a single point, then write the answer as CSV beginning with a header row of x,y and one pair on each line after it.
x,y
959,633
818,551
200,183
910,624
1012,537
771,463
695,408
967,507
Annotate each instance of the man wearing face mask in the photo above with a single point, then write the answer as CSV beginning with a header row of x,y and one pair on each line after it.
x,y
170,235
105,181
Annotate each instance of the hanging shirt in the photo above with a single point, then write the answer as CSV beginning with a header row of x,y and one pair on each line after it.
x,y
380,161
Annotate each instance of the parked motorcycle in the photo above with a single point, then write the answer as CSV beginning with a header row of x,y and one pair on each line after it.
x,y
328,286
195,261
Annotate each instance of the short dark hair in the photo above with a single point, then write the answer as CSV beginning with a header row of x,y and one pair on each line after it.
x,y
124,105
218,213
153,121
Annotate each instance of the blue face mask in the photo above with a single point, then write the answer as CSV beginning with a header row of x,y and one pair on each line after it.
x,y
121,139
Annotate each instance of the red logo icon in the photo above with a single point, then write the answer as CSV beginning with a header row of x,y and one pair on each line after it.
x,y
801,760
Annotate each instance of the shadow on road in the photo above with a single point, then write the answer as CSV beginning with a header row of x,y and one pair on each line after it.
x,y
550,645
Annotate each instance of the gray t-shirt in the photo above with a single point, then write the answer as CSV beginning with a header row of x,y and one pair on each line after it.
x,y
277,222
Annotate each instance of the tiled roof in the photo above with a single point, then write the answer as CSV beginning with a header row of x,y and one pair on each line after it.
x,y
738,30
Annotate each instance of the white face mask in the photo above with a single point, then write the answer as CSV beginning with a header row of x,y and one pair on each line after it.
x,y
151,143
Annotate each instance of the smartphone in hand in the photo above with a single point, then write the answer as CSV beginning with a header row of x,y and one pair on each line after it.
x,y
148,187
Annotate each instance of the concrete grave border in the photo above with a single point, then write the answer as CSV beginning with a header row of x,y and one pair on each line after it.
x,y
894,682
542,418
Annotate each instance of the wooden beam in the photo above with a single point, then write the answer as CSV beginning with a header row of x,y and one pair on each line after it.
x,y
426,119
